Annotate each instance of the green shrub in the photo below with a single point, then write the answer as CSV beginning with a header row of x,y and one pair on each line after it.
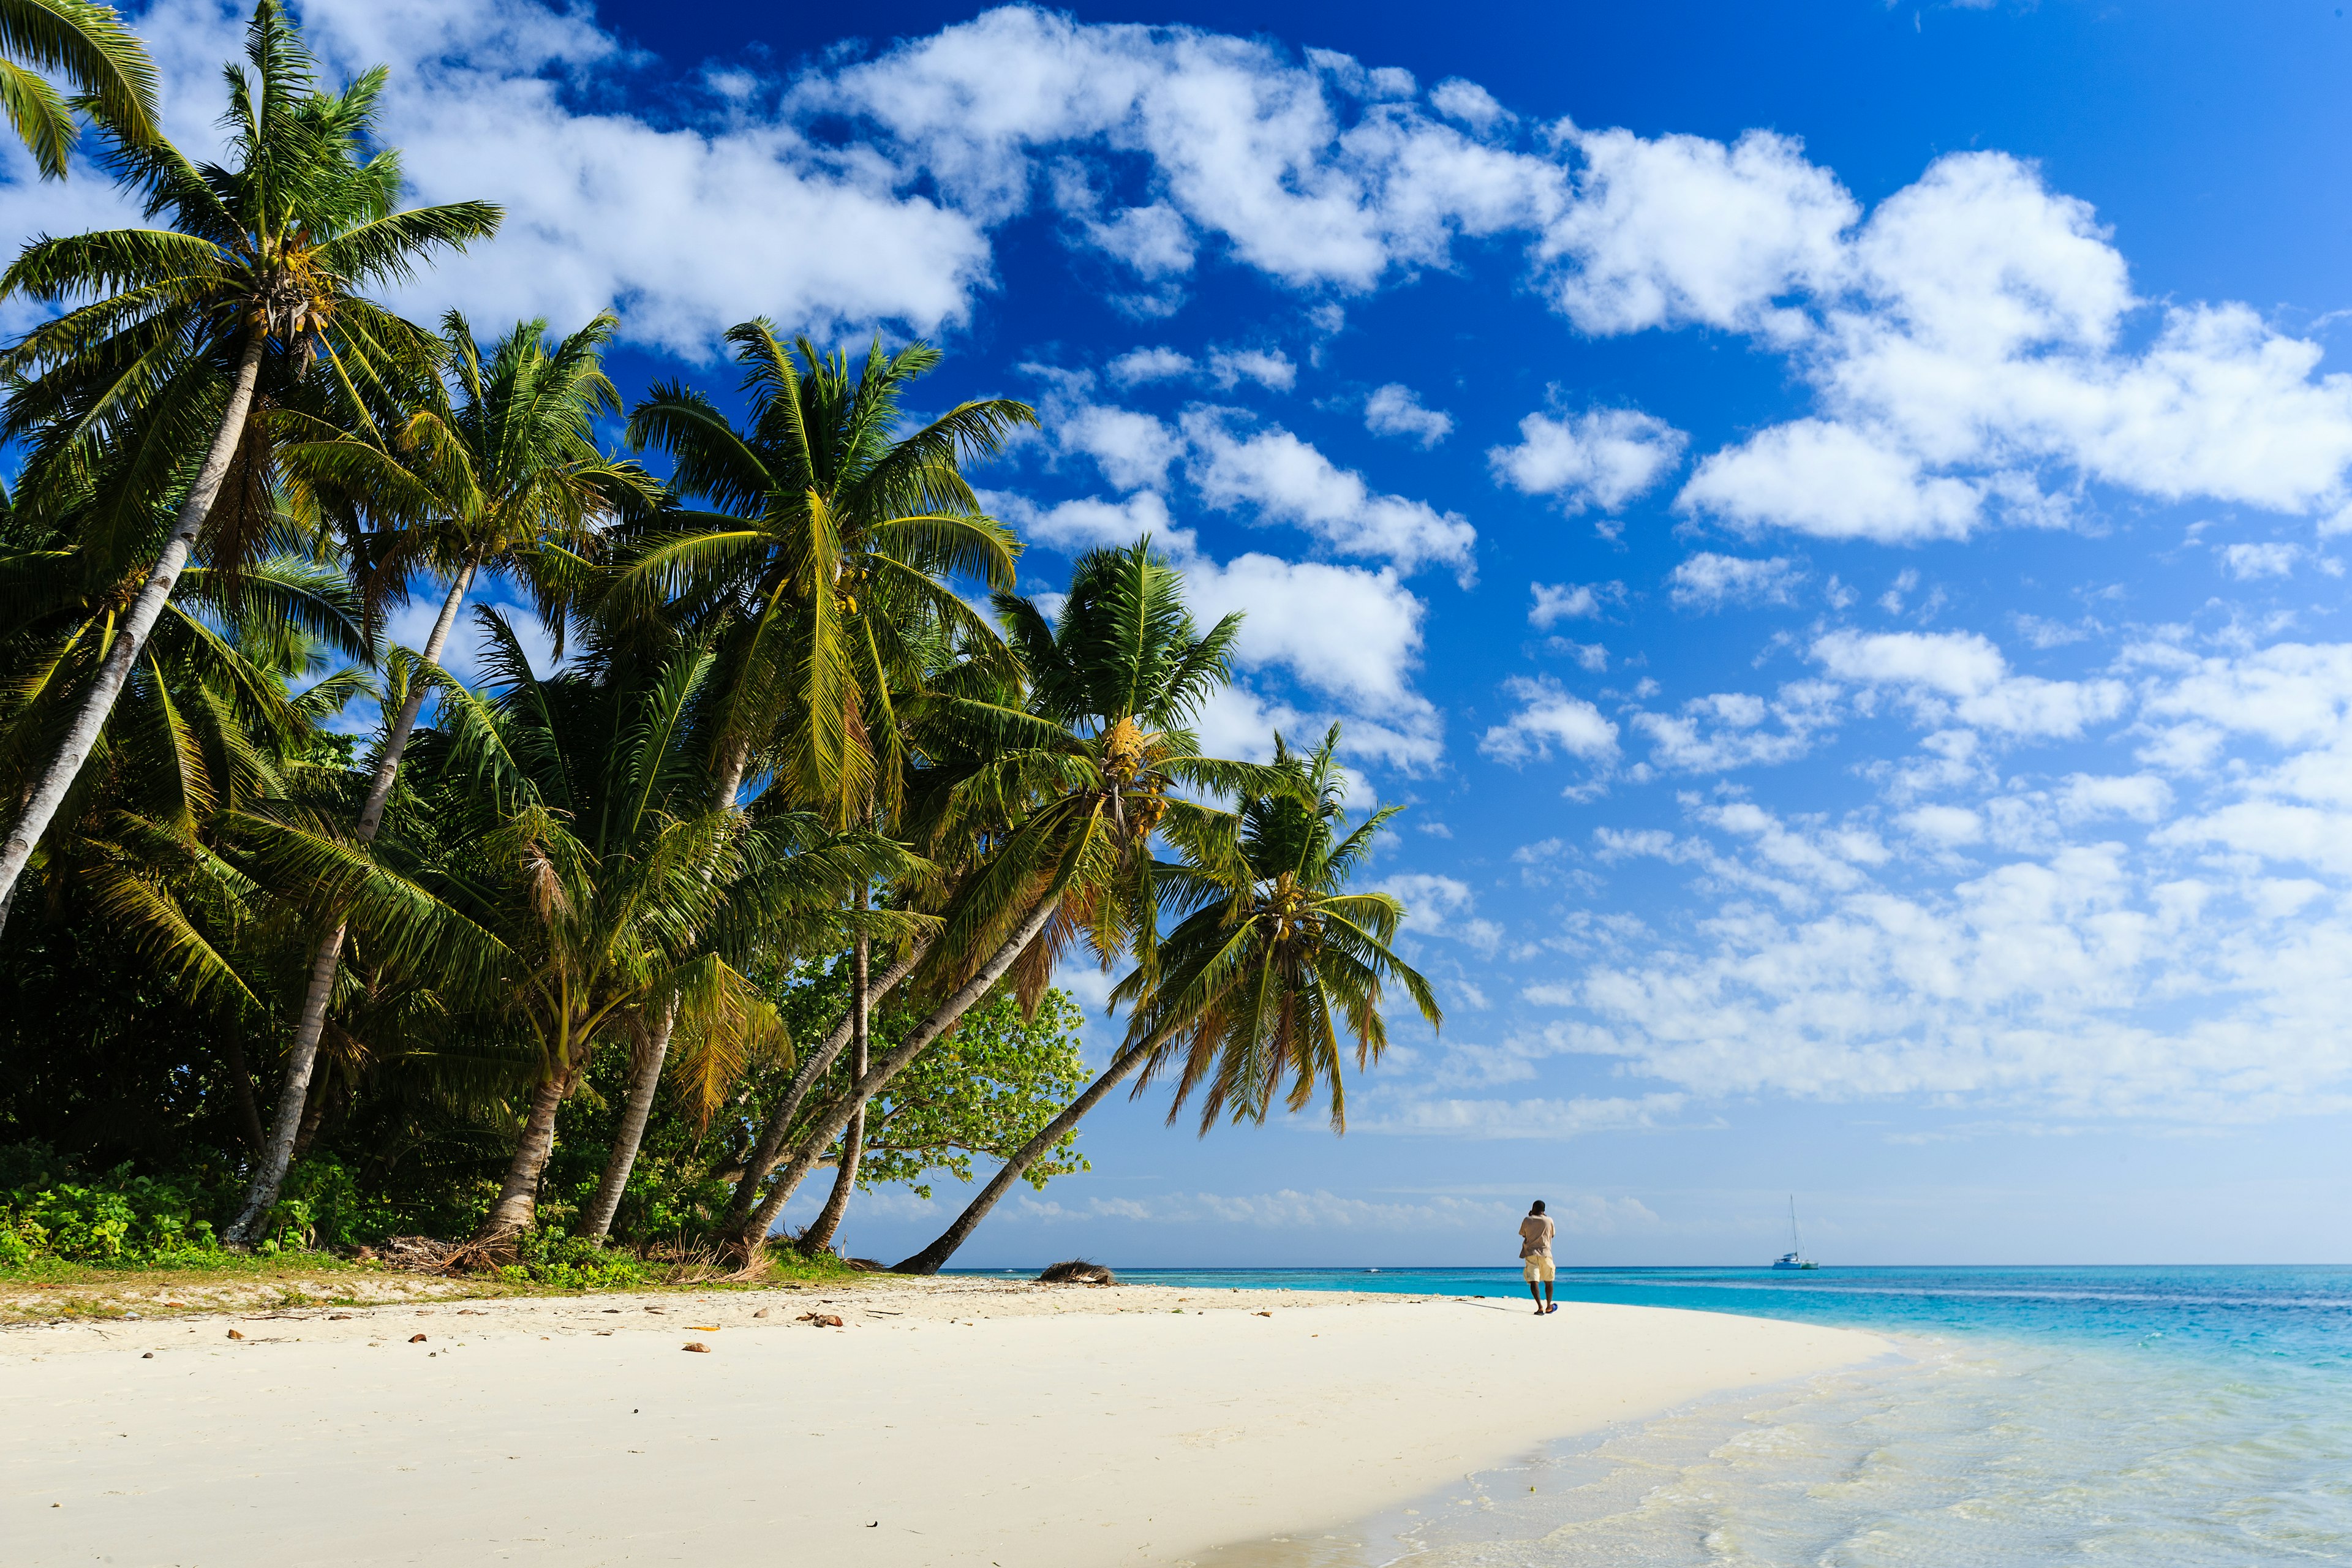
x,y
117,1218
551,1257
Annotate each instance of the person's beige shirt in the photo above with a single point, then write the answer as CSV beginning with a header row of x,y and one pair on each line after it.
x,y
1536,1232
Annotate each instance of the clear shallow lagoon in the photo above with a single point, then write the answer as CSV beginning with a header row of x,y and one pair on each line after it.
x,y
2126,1417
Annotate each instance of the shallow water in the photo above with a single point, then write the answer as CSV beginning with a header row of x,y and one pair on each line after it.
x,y
2123,1416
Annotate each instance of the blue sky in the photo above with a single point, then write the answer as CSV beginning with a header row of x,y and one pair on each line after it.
x,y
1836,529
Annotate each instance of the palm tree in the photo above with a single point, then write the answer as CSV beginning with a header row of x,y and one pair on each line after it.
x,y
1055,802
574,824
263,256
828,558
89,47
824,574
505,474
1242,1002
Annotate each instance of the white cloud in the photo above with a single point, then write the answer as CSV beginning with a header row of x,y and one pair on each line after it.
x,y
1074,527
1269,368
1154,241
1947,826
1549,716
1132,449
1542,1117
1396,410
2245,561
1287,480
1830,480
1442,906
1961,676
1469,104
1556,601
1681,230
1709,582
1730,729
1604,457
1243,142
1970,364
1161,364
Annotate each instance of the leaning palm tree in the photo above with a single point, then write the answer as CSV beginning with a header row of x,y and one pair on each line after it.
x,y
505,473
1242,1002
1055,803
574,823
89,47
262,260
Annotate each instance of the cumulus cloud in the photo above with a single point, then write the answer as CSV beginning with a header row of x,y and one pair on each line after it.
x,y
1396,410
1557,602
1710,582
1832,482
1605,458
1269,368
1681,230
1159,364
1962,677
1442,906
1132,449
1727,730
1549,716
1971,363
1285,480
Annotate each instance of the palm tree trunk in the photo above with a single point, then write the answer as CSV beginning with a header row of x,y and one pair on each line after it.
x,y
852,1139
770,1147
944,1018
114,670
518,1205
596,1219
934,1257
303,1054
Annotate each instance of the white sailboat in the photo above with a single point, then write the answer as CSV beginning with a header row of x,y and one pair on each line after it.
x,y
1795,1256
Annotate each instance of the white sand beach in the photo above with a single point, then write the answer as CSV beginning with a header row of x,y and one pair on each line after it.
x,y
955,1422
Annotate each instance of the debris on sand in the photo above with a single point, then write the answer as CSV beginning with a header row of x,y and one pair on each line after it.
x,y
1077,1271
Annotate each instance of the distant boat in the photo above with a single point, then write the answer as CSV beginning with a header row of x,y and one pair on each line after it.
x,y
1795,1256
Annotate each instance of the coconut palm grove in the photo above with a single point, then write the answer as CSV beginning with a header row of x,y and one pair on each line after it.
x,y
579,969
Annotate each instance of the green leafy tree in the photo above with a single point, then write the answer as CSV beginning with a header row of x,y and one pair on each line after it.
x,y
1256,985
988,1087
155,367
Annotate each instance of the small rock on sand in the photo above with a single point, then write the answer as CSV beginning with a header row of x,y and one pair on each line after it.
x,y
234,1335
697,1346
417,1338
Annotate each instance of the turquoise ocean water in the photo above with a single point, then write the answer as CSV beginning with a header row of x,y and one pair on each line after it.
x,y
2113,1416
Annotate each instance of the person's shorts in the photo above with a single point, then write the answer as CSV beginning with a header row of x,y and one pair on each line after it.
x,y
1537,1268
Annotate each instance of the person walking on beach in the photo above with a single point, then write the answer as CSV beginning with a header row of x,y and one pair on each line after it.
x,y
1536,1232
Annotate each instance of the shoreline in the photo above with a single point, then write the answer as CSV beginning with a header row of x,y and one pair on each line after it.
x,y
954,1421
